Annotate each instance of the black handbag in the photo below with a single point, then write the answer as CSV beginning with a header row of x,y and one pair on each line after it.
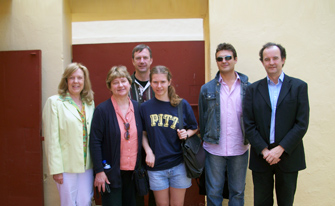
x,y
140,176
141,181
193,152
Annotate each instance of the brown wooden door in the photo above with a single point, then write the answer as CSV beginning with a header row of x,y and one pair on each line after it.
x,y
185,59
21,175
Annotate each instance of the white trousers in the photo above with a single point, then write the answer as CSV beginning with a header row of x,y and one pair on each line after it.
x,y
77,189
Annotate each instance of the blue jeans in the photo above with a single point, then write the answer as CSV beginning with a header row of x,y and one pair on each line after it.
x,y
216,167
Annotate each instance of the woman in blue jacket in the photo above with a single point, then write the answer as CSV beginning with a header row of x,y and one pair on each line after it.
x,y
116,141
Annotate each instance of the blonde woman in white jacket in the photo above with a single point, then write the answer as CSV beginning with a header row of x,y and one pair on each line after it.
x,y
66,126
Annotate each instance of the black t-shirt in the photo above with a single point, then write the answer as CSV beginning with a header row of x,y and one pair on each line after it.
x,y
143,83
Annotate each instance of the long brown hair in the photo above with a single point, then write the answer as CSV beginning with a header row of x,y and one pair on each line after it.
x,y
174,98
86,93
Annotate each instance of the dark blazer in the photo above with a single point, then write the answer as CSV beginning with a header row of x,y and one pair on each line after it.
x,y
105,140
292,117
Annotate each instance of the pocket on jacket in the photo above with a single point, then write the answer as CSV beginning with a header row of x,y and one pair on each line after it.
x,y
210,99
210,128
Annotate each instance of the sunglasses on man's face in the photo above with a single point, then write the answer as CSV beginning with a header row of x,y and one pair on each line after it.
x,y
227,58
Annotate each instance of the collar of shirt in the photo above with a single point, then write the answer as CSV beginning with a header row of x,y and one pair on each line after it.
x,y
127,118
68,98
281,79
222,82
141,88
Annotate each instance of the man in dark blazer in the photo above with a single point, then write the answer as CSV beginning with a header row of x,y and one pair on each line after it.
x,y
276,115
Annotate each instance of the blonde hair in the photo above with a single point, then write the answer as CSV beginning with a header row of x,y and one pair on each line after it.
x,y
174,98
87,93
117,72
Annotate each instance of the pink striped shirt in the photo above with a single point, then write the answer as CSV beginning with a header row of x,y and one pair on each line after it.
x,y
231,137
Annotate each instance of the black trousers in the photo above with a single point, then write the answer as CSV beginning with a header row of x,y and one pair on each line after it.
x,y
285,184
124,196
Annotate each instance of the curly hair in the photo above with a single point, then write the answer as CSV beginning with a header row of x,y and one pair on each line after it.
x,y
87,93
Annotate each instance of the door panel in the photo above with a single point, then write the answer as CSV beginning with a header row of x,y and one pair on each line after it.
x,y
21,175
186,60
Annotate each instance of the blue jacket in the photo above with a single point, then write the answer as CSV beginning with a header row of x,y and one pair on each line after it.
x,y
209,109
105,140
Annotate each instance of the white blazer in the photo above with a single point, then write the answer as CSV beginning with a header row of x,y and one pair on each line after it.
x,y
63,134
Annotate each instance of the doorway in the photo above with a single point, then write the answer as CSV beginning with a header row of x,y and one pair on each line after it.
x,y
185,59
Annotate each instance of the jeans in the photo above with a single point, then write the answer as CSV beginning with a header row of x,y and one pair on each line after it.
x,y
236,167
175,177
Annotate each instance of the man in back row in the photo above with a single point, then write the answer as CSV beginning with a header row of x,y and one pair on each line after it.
x,y
142,60
276,116
141,91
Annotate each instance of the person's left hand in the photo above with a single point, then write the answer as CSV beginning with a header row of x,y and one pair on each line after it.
x,y
182,134
150,159
274,154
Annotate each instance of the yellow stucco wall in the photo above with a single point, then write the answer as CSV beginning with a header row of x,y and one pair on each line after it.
x,y
46,26
85,10
305,28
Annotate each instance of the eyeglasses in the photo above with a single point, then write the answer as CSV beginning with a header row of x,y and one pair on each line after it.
x,y
126,127
227,58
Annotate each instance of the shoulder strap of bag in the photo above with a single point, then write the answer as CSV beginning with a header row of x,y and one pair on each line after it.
x,y
180,115
140,159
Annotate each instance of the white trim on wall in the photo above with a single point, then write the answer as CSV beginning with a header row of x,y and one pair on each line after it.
x,y
96,32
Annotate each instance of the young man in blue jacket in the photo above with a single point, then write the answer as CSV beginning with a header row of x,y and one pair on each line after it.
x,y
221,128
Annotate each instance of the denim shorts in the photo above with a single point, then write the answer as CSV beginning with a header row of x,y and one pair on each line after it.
x,y
174,177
